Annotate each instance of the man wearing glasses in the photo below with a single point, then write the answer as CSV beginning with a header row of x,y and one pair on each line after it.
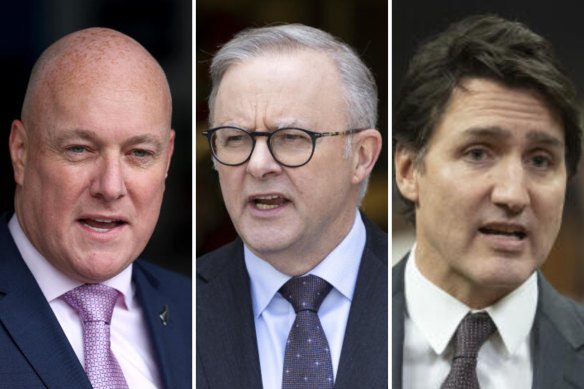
x,y
300,301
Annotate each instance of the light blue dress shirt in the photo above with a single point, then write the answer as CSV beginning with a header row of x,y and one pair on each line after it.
x,y
274,315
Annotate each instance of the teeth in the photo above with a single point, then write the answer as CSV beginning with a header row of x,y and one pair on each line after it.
x,y
99,224
266,206
266,197
97,229
504,231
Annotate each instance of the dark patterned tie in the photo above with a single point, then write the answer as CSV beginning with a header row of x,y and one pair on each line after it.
x,y
470,335
307,360
95,304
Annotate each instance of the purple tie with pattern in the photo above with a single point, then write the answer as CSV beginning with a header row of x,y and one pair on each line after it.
x,y
307,360
95,304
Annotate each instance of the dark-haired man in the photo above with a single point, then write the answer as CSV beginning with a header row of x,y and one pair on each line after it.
x,y
486,135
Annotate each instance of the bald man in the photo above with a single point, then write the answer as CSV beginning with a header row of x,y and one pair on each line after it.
x,y
90,156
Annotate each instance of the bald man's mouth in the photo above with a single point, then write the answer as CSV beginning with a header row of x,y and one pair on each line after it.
x,y
102,224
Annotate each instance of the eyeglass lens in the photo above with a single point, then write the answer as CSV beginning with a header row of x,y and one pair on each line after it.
x,y
292,147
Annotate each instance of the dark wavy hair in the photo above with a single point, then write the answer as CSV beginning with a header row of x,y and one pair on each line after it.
x,y
481,46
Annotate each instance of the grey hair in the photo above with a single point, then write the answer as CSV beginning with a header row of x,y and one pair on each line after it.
x,y
360,90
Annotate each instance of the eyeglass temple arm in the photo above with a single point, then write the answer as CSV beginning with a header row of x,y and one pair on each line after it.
x,y
337,133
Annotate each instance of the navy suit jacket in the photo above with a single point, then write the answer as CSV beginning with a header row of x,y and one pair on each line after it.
x,y
34,351
227,354
557,336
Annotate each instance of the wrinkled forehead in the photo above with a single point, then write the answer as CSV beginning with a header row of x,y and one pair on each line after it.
x,y
299,79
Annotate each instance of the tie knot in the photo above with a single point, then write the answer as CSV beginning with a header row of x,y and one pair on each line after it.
x,y
305,293
472,332
93,302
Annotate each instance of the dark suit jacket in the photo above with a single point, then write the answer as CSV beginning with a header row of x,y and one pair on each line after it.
x,y
227,354
557,336
34,351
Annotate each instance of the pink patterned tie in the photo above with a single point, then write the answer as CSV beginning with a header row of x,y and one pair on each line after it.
x,y
95,304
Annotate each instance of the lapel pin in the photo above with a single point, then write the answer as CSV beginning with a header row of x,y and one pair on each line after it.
x,y
164,315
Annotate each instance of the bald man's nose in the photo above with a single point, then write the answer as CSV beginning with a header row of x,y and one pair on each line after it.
x,y
109,180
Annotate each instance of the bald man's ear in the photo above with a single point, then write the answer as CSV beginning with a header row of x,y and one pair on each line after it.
x,y
170,151
366,150
19,146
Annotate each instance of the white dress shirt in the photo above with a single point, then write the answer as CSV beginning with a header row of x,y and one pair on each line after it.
x,y
130,342
432,316
274,315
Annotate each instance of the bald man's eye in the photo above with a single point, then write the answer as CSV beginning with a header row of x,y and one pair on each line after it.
x,y
139,153
77,149
77,152
142,157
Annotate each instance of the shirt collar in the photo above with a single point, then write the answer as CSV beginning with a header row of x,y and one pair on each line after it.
x,y
54,283
339,269
437,314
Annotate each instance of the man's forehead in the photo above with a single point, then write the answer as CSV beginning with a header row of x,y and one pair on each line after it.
x,y
476,88
94,58
297,89
485,102
301,59
296,71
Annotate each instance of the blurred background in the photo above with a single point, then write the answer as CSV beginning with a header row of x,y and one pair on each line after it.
x,y
413,21
362,24
163,27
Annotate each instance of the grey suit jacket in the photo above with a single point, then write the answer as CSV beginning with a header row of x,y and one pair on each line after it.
x,y
227,355
557,336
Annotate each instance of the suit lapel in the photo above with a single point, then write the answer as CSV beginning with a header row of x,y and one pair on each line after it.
x,y
364,354
29,321
398,317
153,305
558,334
226,345
170,340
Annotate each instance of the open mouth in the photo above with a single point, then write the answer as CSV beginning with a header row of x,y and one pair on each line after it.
x,y
101,225
268,202
516,232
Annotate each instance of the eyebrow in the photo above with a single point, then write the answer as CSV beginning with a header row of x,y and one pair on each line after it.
x,y
278,124
495,132
148,139
544,138
92,136
287,123
74,133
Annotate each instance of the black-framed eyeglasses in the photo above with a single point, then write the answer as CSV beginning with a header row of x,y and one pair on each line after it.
x,y
290,147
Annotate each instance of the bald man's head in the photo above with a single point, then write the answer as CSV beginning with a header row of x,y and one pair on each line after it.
x,y
91,153
92,58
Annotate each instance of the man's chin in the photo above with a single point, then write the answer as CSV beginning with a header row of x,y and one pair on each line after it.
x,y
503,281
98,269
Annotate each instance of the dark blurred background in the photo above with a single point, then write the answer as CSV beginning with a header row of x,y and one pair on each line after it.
x,y
164,27
413,21
361,23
